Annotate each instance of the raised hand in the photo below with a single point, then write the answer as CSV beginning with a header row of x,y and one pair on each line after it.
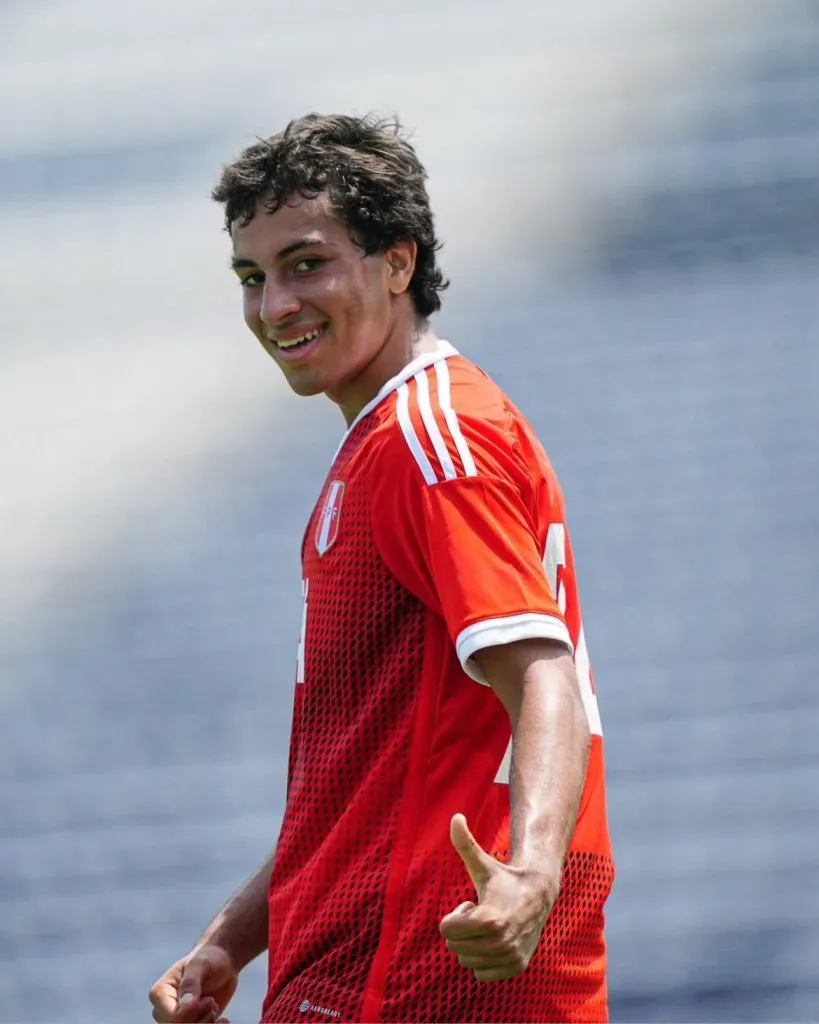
x,y
496,937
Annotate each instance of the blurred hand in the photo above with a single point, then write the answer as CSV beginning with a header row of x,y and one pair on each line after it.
x,y
496,937
195,990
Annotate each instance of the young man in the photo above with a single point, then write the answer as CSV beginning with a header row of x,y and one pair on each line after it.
x,y
444,853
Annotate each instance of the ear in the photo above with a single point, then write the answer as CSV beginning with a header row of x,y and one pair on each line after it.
x,y
401,265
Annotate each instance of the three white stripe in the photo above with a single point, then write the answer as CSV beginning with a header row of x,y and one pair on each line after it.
x,y
448,469
445,402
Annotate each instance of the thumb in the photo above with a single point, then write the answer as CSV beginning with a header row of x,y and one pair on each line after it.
x,y
476,861
190,984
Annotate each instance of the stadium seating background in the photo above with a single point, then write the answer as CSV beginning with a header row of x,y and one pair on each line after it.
x,y
150,601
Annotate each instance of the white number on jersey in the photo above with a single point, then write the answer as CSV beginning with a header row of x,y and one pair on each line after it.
x,y
553,558
303,637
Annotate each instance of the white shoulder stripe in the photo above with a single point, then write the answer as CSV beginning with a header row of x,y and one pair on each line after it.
x,y
408,430
445,401
434,431
432,427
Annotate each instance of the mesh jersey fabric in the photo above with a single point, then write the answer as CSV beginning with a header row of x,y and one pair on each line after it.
x,y
440,530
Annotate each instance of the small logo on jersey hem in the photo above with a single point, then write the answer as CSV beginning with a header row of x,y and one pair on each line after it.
x,y
327,527
305,1006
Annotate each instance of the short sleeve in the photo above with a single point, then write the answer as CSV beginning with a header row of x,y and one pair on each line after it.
x,y
464,539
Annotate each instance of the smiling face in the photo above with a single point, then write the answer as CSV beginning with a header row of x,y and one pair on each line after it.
x,y
334,319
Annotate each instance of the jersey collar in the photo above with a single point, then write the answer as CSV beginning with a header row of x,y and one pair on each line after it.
x,y
443,351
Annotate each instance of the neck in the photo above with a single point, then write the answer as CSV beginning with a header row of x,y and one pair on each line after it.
x,y
391,358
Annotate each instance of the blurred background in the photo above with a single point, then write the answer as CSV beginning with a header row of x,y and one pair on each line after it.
x,y
629,193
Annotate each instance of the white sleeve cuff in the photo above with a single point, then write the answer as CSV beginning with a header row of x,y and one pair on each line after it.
x,y
507,630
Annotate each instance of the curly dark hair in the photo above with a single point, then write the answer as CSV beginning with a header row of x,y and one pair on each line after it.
x,y
371,174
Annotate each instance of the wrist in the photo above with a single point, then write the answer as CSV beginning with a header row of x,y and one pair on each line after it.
x,y
542,879
220,941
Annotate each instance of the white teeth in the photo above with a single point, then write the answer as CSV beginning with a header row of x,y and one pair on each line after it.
x,y
292,342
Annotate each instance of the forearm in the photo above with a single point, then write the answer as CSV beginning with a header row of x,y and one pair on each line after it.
x,y
241,926
550,748
536,683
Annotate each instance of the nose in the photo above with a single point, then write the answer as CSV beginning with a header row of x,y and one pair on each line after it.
x,y
278,303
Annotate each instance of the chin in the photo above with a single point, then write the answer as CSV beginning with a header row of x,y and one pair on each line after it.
x,y
306,388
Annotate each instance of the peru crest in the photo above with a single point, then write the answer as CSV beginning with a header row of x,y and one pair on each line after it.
x,y
327,526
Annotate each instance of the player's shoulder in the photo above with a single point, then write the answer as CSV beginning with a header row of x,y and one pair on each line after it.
x,y
450,420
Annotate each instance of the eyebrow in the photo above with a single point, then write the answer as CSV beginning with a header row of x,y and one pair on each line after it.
x,y
239,263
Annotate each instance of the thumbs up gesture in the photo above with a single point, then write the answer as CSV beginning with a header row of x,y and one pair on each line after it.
x,y
496,937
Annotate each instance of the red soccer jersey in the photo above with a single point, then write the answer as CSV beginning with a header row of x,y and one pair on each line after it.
x,y
440,531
